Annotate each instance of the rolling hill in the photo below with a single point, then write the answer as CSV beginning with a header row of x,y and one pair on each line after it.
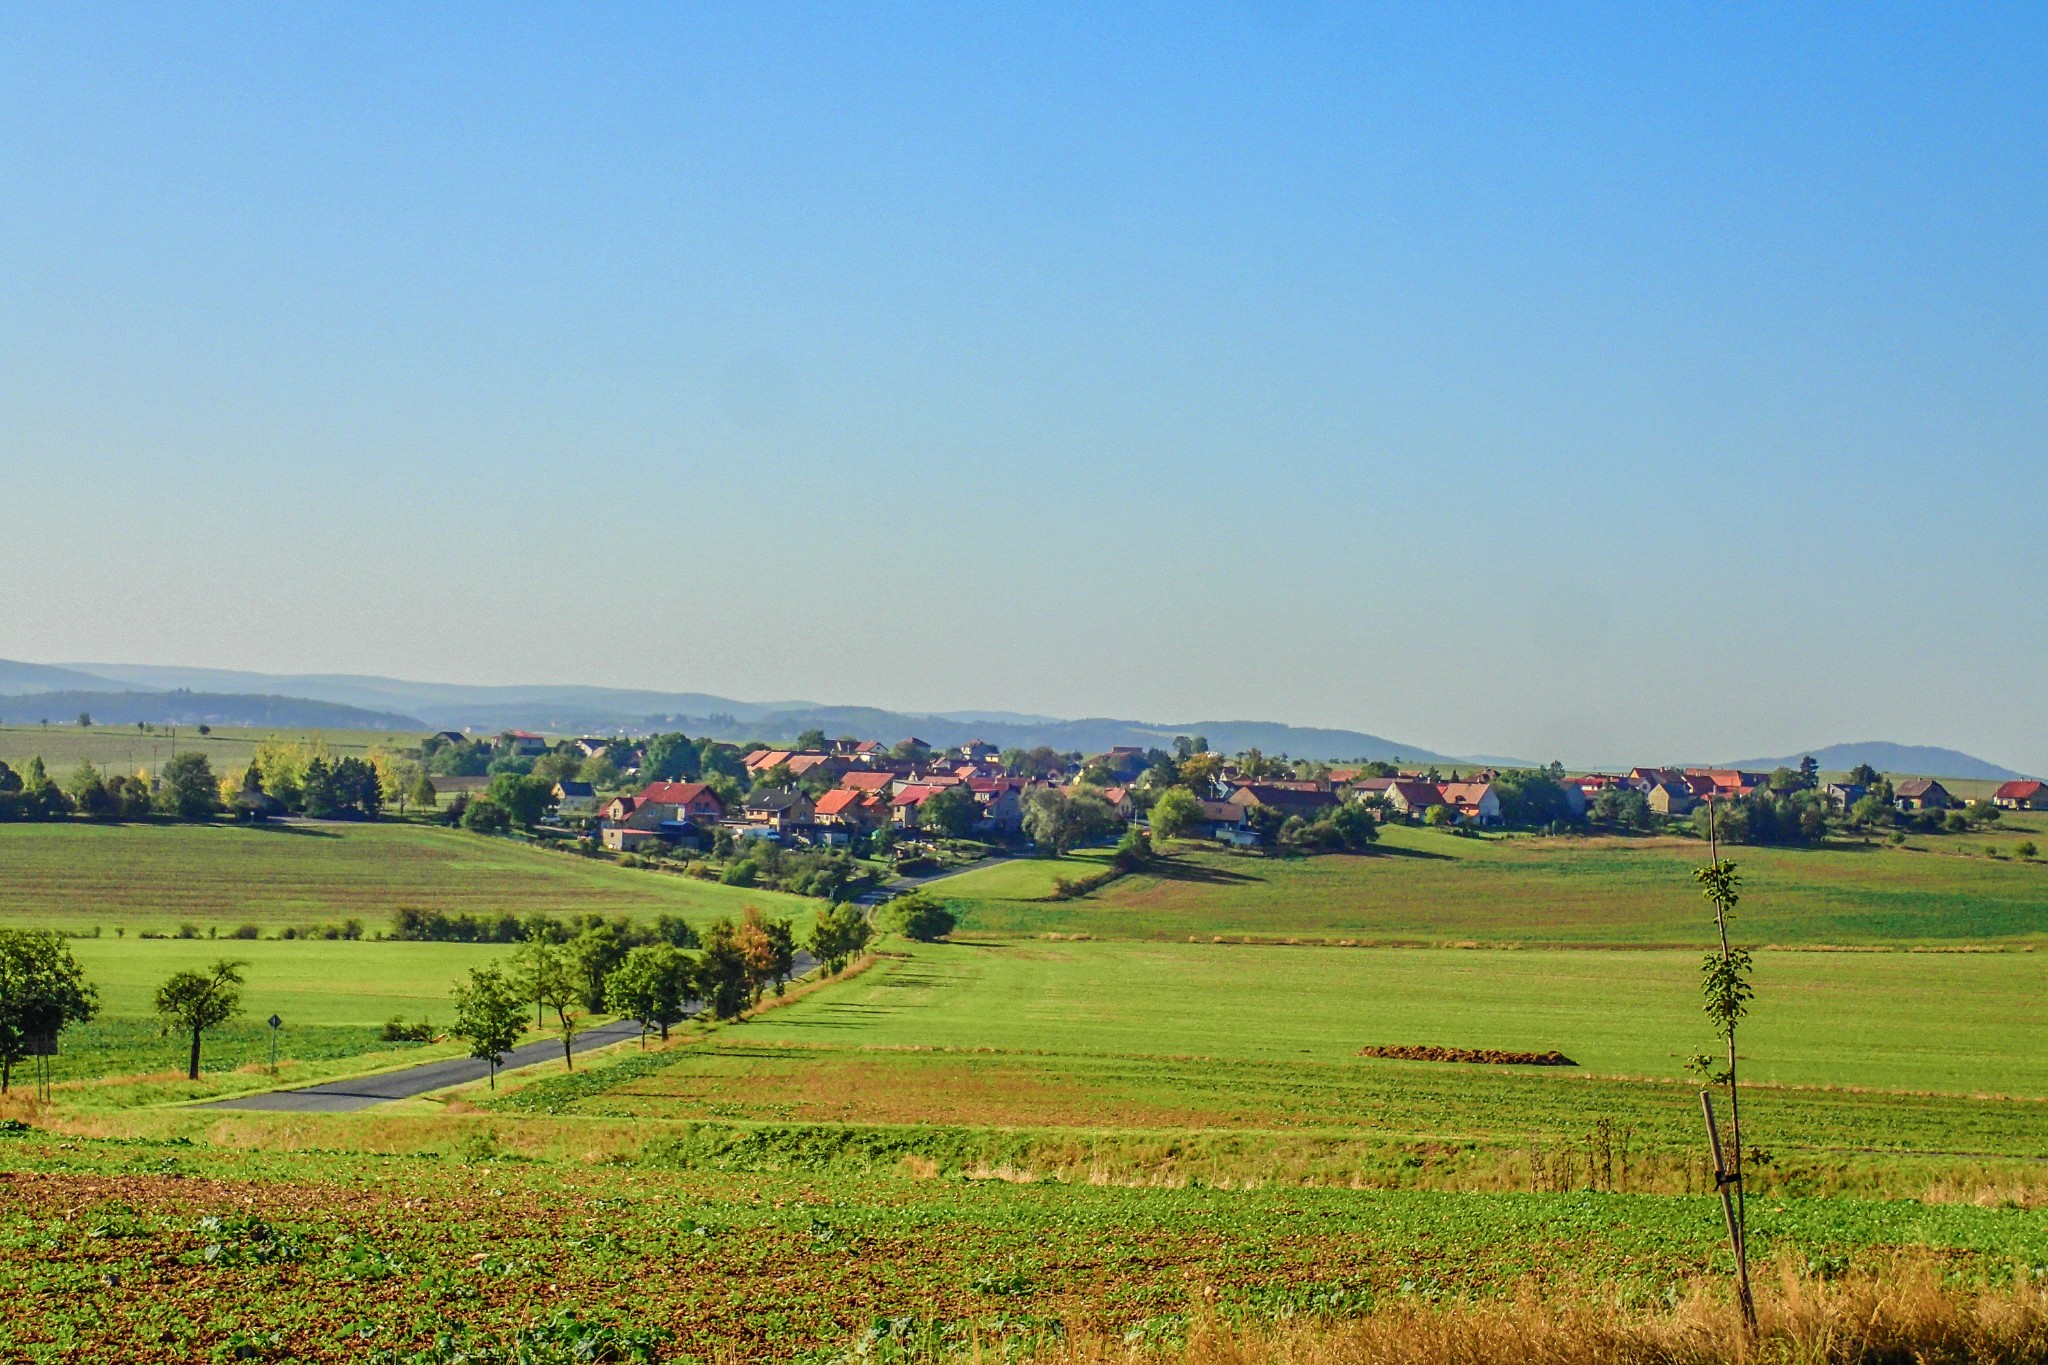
x,y
196,708
1923,760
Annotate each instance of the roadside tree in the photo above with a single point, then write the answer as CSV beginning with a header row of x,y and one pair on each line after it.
x,y
724,978
652,985
840,932
193,1002
489,1016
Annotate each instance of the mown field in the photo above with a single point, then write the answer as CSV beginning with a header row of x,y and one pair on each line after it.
x,y
1423,887
76,876
148,1251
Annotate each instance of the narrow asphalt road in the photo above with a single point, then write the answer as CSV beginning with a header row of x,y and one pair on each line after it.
x,y
339,1097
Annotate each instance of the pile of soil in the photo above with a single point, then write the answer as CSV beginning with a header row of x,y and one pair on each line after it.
x,y
1489,1055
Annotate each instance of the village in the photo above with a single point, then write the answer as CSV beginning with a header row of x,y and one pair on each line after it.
x,y
843,793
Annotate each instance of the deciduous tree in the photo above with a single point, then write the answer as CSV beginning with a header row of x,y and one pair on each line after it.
x,y
839,933
489,1016
187,788
1176,813
193,1002
42,990
653,985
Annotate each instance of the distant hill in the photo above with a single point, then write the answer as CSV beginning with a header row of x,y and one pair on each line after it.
x,y
606,710
17,678
1920,759
197,708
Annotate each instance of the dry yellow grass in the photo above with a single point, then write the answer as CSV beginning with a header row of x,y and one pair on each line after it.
x,y
1905,1314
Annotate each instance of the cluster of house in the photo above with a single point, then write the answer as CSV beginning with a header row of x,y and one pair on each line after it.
x,y
850,788
868,790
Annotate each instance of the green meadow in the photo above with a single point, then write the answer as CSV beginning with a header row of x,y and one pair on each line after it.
x,y
1424,886
77,876
1912,1052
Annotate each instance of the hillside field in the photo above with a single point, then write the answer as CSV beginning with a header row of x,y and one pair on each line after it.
x,y
76,876
1422,886
125,749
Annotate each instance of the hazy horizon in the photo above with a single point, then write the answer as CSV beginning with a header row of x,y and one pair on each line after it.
x,y
1599,383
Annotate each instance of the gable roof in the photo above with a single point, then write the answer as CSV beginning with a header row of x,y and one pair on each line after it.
x,y
678,793
2026,789
1463,793
1281,798
840,800
867,781
1414,794
567,788
1919,786
914,796
776,800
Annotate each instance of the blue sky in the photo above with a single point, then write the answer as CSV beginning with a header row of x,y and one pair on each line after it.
x,y
1608,384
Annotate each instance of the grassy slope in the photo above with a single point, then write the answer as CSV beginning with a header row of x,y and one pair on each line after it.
x,y
1428,887
76,875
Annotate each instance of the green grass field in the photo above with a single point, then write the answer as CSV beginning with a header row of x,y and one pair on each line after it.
x,y
1423,887
1174,1037
77,875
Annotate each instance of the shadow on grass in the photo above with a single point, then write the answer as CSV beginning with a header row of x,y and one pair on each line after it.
x,y
1382,851
303,831
1169,870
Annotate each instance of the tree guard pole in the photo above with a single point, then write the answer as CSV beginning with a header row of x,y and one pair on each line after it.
x,y
1722,1181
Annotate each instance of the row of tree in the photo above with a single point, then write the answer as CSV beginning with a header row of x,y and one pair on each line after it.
x,y
184,790
565,968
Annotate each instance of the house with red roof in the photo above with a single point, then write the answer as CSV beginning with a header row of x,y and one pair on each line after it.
x,y
525,743
851,810
903,805
1412,796
1475,802
2026,794
1002,802
688,803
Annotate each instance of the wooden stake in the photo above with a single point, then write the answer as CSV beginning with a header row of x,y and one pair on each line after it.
x,y
1722,1181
